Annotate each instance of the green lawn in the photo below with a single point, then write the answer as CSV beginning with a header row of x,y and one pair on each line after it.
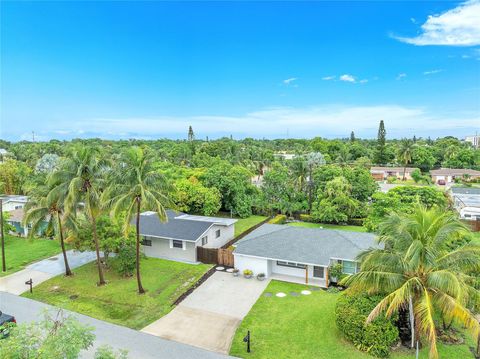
x,y
20,252
476,238
245,223
304,327
118,301
328,226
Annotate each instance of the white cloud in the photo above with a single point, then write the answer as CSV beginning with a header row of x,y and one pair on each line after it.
x,y
456,27
325,120
347,78
401,75
431,72
328,78
290,80
364,81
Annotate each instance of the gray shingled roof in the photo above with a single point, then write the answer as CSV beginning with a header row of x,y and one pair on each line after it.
x,y
174,228
304,245
466,190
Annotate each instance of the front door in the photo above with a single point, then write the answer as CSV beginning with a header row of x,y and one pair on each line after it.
x,y
318,272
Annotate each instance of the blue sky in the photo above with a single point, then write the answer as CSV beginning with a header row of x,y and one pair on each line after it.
x,y
151,69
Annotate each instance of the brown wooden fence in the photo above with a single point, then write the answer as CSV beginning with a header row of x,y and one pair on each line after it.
x,y
215,256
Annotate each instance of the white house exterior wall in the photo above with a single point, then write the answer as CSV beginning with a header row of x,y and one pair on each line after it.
x,y
161,248
12,205
226,234
256,265
296,272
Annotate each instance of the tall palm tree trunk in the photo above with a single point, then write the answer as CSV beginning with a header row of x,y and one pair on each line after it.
x,y
139,279
404,171
68,272
4,265
97,250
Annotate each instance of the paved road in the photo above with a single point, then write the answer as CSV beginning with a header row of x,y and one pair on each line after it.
x,y
210,315
43,270
139,345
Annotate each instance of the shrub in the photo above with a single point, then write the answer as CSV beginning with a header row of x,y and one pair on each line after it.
x,y
247,272
375,338
356,221
391,179
278,219
307,218
126,259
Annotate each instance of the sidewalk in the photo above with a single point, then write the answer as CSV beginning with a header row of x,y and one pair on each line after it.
x,y
43,270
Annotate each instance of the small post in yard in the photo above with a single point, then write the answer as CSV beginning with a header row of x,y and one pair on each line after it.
x,y
30,283
4,265
247,340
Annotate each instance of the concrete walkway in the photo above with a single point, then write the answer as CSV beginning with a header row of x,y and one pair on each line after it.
x,y
43,270
209,317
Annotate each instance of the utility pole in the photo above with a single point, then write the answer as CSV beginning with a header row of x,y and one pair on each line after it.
x,y
33,136
4,265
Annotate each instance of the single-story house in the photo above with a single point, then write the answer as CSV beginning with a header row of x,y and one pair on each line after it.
x,y
178,238
298,254
449,174
11,202
382,173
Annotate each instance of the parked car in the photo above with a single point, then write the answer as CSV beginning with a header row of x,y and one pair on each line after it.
x,y
441,182
6,321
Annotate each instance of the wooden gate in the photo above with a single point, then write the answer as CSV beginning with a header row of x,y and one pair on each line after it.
x,y
225,257
220,256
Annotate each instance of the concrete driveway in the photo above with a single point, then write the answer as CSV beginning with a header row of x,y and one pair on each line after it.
x,y
43,270
210,315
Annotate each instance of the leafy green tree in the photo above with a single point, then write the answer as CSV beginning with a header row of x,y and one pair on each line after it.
x,y
352,136
13,176
380,154
233,183
47,164
56,336
417,268
416,175
314,160
192,196
423,158
462,158
335,204
82,177
46,206
136,186
405,154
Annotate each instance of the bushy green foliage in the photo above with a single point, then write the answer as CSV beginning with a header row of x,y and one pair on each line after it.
x,y
307,218
278,219
375,338
402,199
125,265
191,196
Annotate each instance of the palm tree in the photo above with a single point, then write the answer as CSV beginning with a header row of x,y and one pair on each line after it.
x,y
46,205
405,153
81,176
423,270
135,186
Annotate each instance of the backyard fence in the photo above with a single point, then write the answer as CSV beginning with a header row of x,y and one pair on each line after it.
x,y
220,256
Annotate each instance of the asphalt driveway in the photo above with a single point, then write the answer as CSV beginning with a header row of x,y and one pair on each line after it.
x,y
210,315
43,270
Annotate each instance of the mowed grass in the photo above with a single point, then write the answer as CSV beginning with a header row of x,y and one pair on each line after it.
x,y
244,224
118,301
328,226
20,252
304,327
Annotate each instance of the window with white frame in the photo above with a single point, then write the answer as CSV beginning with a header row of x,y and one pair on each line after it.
x,y
177,244
217,233
348,267
291,264
318,272
204,240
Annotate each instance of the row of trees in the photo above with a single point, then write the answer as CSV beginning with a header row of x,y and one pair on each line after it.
x,y
85,184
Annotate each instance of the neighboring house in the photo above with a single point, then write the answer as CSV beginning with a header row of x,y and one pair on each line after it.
x,y
12,202
450,174
284,155
15,219
381,173
299,254
466,201
179,237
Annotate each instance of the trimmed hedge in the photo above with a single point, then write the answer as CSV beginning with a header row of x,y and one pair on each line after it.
x,y
375,338
278,219
307,218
